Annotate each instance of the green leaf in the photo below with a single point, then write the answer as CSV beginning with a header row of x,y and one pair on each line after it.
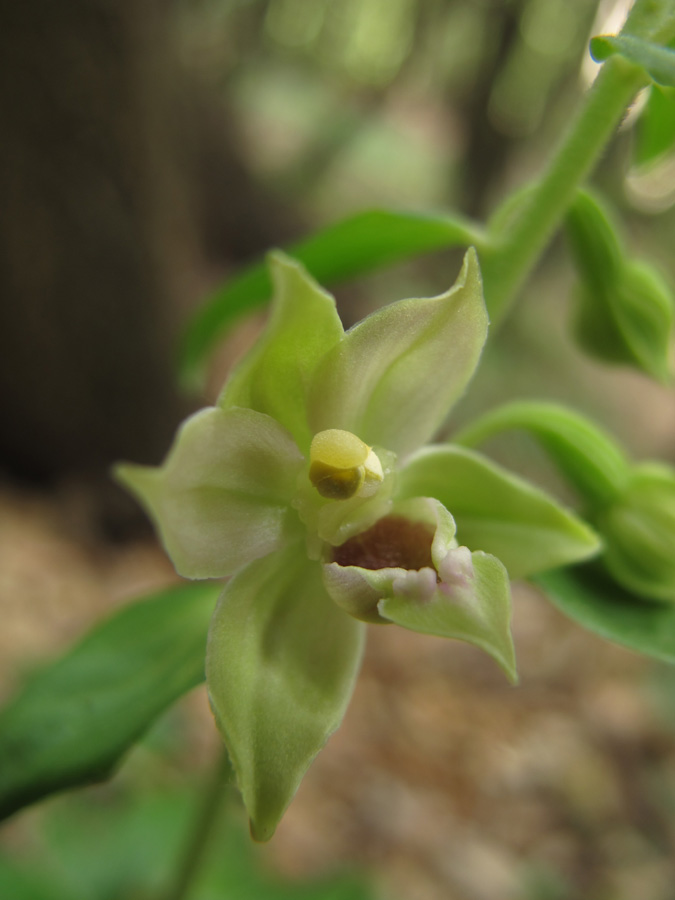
x,y
24,883
355,246
624,310
144,825
656,125
482,617
657,61
222,496
274,376
75,719
281,664
144,832
393,378
498,512
586,455
605,609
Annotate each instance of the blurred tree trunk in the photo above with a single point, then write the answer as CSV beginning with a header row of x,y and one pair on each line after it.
x,y
86,227
113,187
487,149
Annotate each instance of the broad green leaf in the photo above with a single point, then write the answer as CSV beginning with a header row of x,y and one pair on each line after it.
x,y
657,61
222,496
274,376
24,883
586,455
394,376
281,664
75,718
498,512
639,533
624,310
602,607
656,125
481,616
144,825
355,246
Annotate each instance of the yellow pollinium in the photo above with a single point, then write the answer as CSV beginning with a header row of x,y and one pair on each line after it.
x,y
342,466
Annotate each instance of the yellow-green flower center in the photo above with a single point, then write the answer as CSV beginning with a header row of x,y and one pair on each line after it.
x,y
341,465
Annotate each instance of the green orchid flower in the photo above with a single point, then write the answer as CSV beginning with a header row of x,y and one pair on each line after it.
x,y
306,483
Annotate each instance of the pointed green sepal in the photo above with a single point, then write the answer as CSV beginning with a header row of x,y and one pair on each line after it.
x,y
344,249
280,667
393,377
273,377
497,511
222,496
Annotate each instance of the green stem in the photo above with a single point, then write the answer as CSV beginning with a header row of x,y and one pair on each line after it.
x,y
518,242
195,850
519,246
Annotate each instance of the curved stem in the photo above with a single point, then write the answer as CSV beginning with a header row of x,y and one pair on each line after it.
x,y
198,843
519,239
522,241
589,458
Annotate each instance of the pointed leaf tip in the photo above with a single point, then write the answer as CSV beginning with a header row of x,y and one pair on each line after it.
x,y
280,667
273,377
393,378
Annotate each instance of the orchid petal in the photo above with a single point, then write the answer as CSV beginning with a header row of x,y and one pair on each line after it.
x,y
415,534
222,496
498,512
273,377
393,378
280,667
409,570
478,612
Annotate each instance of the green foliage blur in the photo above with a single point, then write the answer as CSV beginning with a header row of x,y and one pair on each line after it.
x,y
126,840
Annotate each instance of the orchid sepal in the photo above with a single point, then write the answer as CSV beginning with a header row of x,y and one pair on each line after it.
x,y
222,496
281,663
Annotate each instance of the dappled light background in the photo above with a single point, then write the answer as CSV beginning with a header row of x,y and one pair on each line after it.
x,y
149,150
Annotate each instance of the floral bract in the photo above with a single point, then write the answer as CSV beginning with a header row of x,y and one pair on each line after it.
x,y
307,484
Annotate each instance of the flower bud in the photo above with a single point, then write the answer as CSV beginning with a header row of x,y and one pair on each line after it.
x,y
639,533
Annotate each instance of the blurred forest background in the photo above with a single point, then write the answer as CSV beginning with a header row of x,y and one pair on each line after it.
x,y
149,149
